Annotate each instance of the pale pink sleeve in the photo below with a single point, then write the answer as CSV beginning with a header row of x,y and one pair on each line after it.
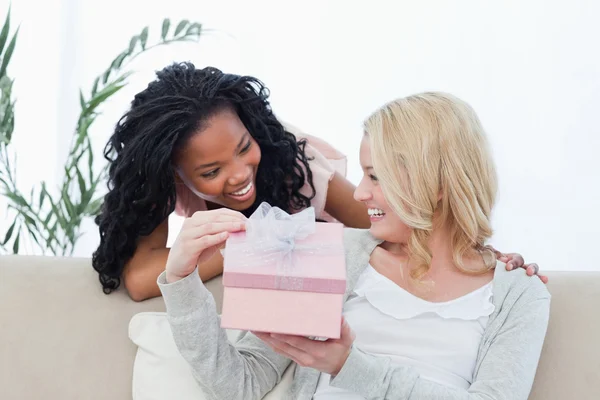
x,y
187,203
324,160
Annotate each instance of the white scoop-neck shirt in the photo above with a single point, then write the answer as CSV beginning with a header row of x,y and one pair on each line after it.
x,y
440,340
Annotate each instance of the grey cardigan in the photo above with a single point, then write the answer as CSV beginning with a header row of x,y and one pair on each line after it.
x,y
505,366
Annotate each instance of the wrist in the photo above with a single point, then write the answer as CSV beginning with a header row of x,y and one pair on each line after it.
x,y
342,362
172,278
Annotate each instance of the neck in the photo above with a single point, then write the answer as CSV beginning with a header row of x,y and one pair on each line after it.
x,y
440,245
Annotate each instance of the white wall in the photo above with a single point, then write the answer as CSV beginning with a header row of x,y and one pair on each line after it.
x,y
531,69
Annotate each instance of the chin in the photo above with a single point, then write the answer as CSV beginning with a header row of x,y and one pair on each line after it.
x,y
379,232
243,206
390,234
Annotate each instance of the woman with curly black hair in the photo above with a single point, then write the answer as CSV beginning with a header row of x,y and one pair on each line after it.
x,y
200,139
197,140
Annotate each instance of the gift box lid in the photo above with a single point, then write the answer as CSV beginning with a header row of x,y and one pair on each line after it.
x,y
315,263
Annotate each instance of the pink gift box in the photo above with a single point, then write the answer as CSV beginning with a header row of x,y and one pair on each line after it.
x,y
300,295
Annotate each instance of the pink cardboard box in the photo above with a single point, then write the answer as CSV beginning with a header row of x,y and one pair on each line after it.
x,y
299,294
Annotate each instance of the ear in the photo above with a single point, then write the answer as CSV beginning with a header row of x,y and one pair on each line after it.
x,y
178,180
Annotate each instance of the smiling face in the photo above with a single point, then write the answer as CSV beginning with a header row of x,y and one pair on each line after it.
x,y
385,223
220,162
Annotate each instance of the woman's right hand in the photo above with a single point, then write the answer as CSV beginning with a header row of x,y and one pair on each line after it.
x,y
201,236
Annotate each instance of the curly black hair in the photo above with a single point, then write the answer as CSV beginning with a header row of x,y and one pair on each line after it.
x,y
161,119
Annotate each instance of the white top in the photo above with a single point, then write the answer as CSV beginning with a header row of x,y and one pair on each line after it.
x,y
440,340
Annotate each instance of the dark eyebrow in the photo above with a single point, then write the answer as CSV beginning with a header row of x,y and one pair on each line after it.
x,y
212,164
237,148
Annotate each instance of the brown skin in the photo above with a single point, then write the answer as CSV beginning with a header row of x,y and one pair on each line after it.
x,y
219,160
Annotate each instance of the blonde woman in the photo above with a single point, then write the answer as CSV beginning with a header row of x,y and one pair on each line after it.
x,y
428,314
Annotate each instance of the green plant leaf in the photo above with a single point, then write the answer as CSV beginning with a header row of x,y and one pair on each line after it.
x,y
194,29
103,95
82,129
67,172
29,219
119,60
181,26
95,87
42,195
122,78
3,182
94,207
106,76
16,244
165,28
34,236
6,120
18,199
90,160
5,30
80,182
8,54
82,101
132,43
46,221
144,38
58,214
9,232
67,203
52,230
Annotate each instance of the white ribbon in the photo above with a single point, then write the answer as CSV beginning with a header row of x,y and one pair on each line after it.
x,y
271,236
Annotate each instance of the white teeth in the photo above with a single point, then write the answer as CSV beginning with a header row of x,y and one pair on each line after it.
x,y
376,212
243,191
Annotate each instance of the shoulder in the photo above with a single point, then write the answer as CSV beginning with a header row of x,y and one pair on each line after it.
x,y
324,162
358,246
359,243
320,153
360,239
517,287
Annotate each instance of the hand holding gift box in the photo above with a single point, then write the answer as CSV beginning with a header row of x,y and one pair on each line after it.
x,y
285,274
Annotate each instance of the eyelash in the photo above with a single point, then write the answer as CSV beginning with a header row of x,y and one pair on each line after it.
x,y
246,147
213,173
373,178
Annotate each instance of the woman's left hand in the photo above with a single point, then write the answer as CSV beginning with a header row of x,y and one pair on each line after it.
x,y
328,356
515,260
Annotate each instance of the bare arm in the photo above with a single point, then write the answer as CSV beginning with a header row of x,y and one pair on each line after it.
x,y
149,260
341,205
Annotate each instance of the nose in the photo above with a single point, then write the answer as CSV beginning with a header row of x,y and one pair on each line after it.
x,y
362,192
239,174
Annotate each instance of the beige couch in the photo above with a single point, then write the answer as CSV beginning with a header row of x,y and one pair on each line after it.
x,y
61,338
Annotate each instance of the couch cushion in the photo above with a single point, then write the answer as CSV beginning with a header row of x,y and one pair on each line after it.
x,y
61,336
161,373
570,364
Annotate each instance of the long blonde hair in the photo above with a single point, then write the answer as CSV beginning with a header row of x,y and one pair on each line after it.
x,y
430,154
